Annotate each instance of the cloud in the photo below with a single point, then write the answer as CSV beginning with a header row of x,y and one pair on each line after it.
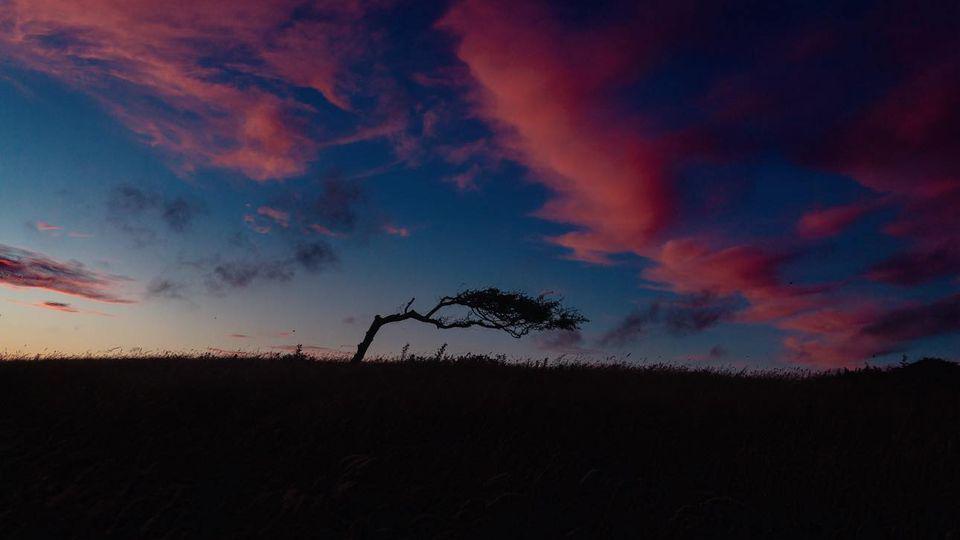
x,y
43,226
394,230
696,313
256,225
222,276
466,180
241,274
918,265
320,229
631,328
127,200
23,268
130,209
554,108
59,306
837,337
315,256
329,205
277,216
165,288
336,205
832,221
55,230
693,266
205,88
687,314
179,213
915,322
126,206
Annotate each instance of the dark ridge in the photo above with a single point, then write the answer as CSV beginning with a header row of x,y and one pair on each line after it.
x,y
933,366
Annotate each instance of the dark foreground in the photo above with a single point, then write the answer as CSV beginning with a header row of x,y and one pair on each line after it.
x,y
288,448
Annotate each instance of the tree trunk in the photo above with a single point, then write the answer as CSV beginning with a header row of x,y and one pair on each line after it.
x,y
367,340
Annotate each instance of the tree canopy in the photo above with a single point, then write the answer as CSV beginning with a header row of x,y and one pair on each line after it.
x,y
513,312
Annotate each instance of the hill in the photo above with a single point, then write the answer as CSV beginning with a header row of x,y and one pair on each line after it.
x,y
208,447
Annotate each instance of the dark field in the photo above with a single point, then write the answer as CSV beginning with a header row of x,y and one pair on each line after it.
x,y
233,448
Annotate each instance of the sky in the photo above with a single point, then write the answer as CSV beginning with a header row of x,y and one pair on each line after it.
x,y
756,184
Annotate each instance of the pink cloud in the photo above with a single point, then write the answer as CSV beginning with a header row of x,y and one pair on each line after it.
x,y
832,221
22,268
43,226
467,180
149,65
692,266
550,106
824,327
278,216
396,231
255,225
320,229
841,338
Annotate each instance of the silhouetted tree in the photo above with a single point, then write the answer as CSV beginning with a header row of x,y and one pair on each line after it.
x,y
513,312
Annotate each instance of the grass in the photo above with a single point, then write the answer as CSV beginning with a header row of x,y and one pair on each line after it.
x,y
178,447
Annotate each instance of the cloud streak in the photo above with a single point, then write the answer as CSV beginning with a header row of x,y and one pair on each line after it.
x,y
27,269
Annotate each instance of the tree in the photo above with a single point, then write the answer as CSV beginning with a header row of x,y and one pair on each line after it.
x,y
516,313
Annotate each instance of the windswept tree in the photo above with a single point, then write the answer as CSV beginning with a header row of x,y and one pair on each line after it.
x,y
515,313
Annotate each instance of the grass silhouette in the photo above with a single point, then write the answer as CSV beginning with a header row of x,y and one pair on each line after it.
x,y
473,447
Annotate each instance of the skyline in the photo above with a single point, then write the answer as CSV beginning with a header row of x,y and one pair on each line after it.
x,y
758,186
